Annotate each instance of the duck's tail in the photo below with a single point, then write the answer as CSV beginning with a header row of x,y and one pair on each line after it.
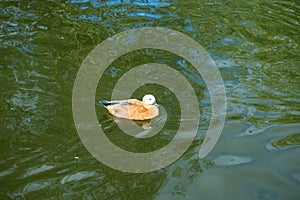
x,y
105,103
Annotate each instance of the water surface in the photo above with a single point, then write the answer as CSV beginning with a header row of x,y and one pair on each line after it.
x,y
255,46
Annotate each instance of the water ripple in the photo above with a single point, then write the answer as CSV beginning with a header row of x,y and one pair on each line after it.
x,y
255,46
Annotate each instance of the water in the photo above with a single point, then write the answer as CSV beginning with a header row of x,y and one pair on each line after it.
x,y
255,46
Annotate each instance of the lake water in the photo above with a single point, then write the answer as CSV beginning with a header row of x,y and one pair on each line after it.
x,y
255,45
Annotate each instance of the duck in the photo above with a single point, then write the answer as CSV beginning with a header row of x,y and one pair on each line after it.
x,y
133,109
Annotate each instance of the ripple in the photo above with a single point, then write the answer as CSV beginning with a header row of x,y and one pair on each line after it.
x,y
283,143
35,186
230,160
36,170
155,3
8,171
77,177
145,14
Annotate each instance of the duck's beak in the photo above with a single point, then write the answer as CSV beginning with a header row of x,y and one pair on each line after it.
x,y
156,104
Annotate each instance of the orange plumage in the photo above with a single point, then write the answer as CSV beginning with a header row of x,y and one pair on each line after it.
x,y
133,108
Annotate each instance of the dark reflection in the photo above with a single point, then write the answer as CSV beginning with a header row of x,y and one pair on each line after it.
x,y
255,46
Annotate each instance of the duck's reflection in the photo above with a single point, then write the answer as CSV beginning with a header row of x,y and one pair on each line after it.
x,y
142,129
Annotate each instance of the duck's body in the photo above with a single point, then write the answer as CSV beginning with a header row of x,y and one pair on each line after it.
x,y
132,108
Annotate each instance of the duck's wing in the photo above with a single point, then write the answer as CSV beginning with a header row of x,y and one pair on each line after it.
x,y
110,103
121,102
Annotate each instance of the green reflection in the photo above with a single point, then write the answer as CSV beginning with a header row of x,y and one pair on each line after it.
x,y
291,140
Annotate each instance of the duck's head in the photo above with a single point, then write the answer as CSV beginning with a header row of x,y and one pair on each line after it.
x,y
149,99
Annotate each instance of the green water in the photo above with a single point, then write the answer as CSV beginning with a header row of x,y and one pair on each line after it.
x,y
255,45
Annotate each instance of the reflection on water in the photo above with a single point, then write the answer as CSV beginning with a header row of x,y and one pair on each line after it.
x,y
255,46
142,129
